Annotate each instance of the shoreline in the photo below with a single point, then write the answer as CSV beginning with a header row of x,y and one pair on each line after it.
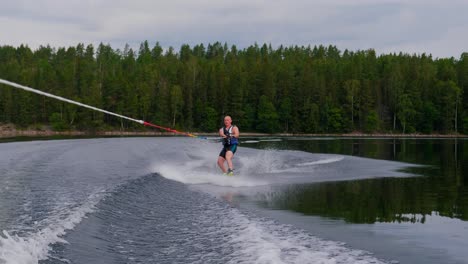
x,y
12,133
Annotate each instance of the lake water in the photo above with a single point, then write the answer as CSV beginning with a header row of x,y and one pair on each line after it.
x,y
293,200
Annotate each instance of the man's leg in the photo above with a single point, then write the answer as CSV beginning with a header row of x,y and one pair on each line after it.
x,y
229,155
221,163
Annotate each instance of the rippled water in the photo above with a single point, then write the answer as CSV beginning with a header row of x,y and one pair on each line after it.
x,y
162,200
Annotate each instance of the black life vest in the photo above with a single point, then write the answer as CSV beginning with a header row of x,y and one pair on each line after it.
x,y
229,140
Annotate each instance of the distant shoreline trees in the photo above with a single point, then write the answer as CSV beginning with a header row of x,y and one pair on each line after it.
x,y
289,89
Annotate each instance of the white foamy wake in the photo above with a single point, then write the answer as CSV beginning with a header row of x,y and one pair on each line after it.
x,y
35,246
252,167
187,174
200,167
265,241
324,161
250,141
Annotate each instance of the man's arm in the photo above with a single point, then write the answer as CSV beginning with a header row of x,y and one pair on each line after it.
x,y
236,132
221,133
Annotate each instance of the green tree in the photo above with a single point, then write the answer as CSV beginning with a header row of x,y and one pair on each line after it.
x,y
285,112
334,120
209,120
267,120
57,122
176,103
372,122
352,89
406,111
450,99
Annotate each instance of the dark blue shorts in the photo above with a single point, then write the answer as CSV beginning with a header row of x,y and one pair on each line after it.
x,y
227,148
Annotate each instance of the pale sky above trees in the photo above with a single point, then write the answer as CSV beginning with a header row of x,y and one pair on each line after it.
x,y
410,26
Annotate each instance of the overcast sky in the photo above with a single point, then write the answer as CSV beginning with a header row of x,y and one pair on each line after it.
x,y
412,26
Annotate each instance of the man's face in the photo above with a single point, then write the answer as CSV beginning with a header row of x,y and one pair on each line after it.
x,y
227,121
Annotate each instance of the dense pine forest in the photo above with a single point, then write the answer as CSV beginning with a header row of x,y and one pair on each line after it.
x,y
292,89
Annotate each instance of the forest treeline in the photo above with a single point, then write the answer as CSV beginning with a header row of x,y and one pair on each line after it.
x,y
293,89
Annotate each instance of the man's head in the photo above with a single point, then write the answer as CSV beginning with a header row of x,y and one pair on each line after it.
x,y
227,121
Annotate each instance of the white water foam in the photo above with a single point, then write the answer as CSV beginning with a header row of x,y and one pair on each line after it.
x,y
186,173
35,246
254,167
324,161
250,141
200,167
265,241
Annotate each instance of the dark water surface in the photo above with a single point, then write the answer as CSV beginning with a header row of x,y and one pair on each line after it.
x,y
293,200
414,220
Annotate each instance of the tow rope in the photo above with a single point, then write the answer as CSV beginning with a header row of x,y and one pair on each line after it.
x,y
29,89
